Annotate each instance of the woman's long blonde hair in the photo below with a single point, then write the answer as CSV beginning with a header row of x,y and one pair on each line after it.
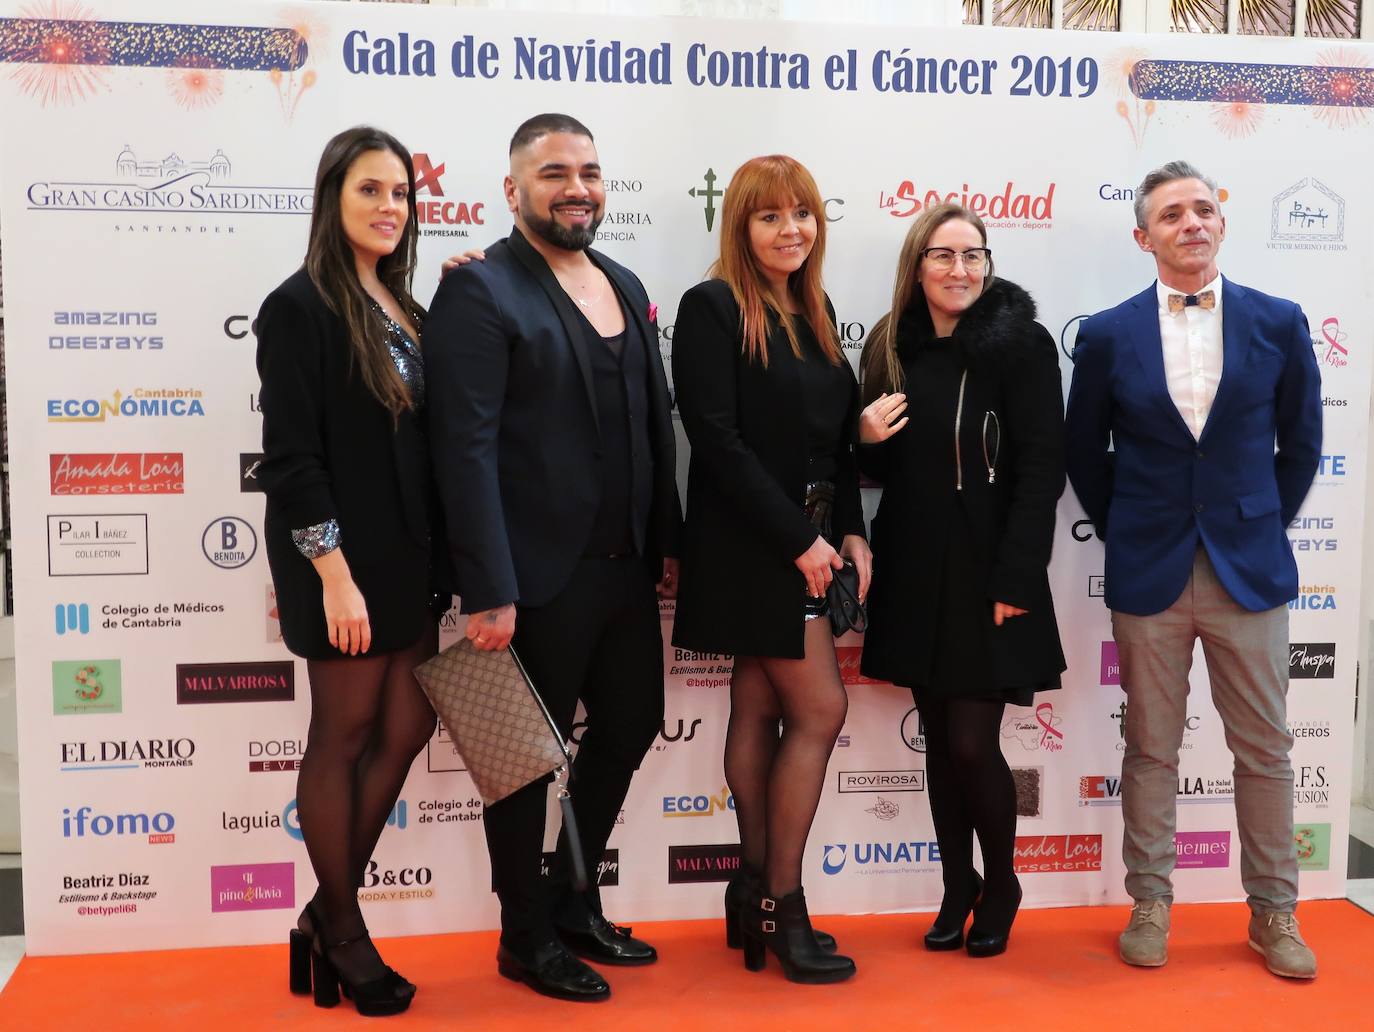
x,y
773,181
882,368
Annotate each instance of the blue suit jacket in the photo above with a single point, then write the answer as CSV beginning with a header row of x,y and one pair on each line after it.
x,y
1162,492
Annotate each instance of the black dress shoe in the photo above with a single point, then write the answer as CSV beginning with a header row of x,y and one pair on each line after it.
x,y
600,940
550,969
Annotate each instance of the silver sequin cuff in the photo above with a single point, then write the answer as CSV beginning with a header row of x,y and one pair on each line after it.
x,y
321,539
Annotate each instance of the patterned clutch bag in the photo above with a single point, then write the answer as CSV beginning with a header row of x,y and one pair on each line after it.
x,y
497,721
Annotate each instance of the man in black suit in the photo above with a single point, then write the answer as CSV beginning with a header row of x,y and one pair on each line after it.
x,y
554,454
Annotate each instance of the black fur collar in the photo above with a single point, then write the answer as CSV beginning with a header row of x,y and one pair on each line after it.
x,y
995,330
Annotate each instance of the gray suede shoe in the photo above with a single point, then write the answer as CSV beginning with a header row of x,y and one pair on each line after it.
x,y
1274,933
1145,942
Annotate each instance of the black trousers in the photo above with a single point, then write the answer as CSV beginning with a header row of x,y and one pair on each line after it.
x,y
599,640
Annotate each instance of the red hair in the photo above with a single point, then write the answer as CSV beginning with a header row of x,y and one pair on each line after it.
x,y
773,181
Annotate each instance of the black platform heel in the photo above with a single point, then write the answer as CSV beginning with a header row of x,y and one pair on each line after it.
x,y
947,932
992,921
783,926
376,998
737,892
324,979
301,939
300,963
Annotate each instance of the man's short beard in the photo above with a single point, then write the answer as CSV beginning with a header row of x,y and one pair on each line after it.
x,y
569,238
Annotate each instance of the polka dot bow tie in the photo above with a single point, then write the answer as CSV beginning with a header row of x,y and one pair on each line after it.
x,y
1207,300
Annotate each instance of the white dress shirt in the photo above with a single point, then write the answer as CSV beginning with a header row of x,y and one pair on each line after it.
x,y
1192,355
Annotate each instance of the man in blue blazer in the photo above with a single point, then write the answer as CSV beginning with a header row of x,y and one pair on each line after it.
x,y
1210,394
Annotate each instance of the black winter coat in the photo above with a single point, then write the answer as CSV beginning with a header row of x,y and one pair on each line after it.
x,y
967,523
740,592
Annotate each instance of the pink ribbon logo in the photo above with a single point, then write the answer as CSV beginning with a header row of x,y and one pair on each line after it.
x,y
1336,353
1052,739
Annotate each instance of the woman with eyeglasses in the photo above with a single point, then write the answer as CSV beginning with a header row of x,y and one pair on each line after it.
x,y
963,426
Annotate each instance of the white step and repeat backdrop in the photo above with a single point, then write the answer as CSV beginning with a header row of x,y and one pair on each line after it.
x,y
155,184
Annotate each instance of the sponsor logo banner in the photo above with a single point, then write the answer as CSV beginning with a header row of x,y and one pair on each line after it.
x,y
395,884
229,542
107,895
1111,664
72,618
235,887
87,686
1313,843
1312,660
1203,849
84,822
273,681
248,471
94,545
275,755
140,403
127,754
703,863
881,781
1308,216
1105,790
865,858
698,805
107,473
1057,854
1038,729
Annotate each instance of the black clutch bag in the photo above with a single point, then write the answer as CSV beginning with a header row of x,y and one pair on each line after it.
x,y
847,613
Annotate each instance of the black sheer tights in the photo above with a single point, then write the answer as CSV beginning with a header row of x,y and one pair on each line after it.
x,y
971,791
368,720
777,778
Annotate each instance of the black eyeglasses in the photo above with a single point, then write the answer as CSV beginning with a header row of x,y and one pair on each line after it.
x,y
944,258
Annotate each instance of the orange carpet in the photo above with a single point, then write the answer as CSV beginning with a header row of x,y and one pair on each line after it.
x,y
1060,973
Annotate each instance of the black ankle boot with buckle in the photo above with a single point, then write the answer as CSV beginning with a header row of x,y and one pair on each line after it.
x,y
782,925
737,892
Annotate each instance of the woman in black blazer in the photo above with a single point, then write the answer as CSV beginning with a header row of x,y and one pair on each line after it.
x,y
960,611
348,537
770,407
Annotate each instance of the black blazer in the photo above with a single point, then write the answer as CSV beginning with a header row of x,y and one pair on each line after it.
x,y
332,451
513,424
1011,456
740,592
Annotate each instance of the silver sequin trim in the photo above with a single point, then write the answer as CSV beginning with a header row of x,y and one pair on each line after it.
x,y
321,539
405,355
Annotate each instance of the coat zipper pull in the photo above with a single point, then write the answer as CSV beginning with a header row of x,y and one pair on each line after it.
x,y
958,421
991,461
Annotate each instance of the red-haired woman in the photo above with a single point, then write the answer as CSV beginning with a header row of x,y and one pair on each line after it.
x,y
770,406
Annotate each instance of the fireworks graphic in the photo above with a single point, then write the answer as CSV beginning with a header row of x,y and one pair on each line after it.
x,y
60,54
1120,69
198,85
1238,118
291,86
61,66
1219,82
1344,85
